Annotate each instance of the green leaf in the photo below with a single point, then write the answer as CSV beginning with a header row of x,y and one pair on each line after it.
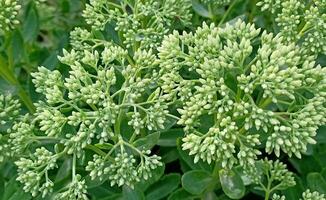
x,y
157,173
305,165
9,76
196,181
104,192
181,194
316,182
13,191
31,24
169,138
2,187
169,154
132,194
323,173
232,184
163,187
64,170
15,50
147,142
200,9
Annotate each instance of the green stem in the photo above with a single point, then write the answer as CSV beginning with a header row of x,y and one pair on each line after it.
x,y
228,11
96,150
74,167
265,103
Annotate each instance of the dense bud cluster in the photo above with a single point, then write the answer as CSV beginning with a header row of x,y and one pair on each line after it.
x,y
306,195
300,21
236,92
275,172
159,16
309,195
8,14
124,169
9,111
33,173
275,92
216,2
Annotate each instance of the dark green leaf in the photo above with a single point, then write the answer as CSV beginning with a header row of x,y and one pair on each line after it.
x,y
163,187
2,187
15,50
64,170
31,24
132,194
169,154
196,181
169,138
157,173
316,182
147,142
232,184
200,9
181,194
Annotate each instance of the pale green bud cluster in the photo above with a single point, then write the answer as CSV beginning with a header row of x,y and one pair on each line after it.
x,y
278,197
76,190
51,120
8,14
33,172
303,22
243,93
85,108
124,169
309,195
20,135
160,15
216,2
9,109
49,83
270,176
306,195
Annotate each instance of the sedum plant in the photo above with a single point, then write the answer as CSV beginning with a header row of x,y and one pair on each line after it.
x,y
143,104
272,97
109,103
303,22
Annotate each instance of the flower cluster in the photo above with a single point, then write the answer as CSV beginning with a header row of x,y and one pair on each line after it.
x,y
246,94
306,195
309,195
33,173
273,175
123,169
76,190
9,111
8,14
158,16
109,97
300,21
216,3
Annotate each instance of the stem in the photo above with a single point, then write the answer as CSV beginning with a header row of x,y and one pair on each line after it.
x,y
228,11
265,103
74,167
96,150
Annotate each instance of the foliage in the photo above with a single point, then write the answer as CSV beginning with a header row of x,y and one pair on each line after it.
x,y
168,99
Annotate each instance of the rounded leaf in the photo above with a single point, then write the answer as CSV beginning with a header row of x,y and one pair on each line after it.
x,y
232,184
196,181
